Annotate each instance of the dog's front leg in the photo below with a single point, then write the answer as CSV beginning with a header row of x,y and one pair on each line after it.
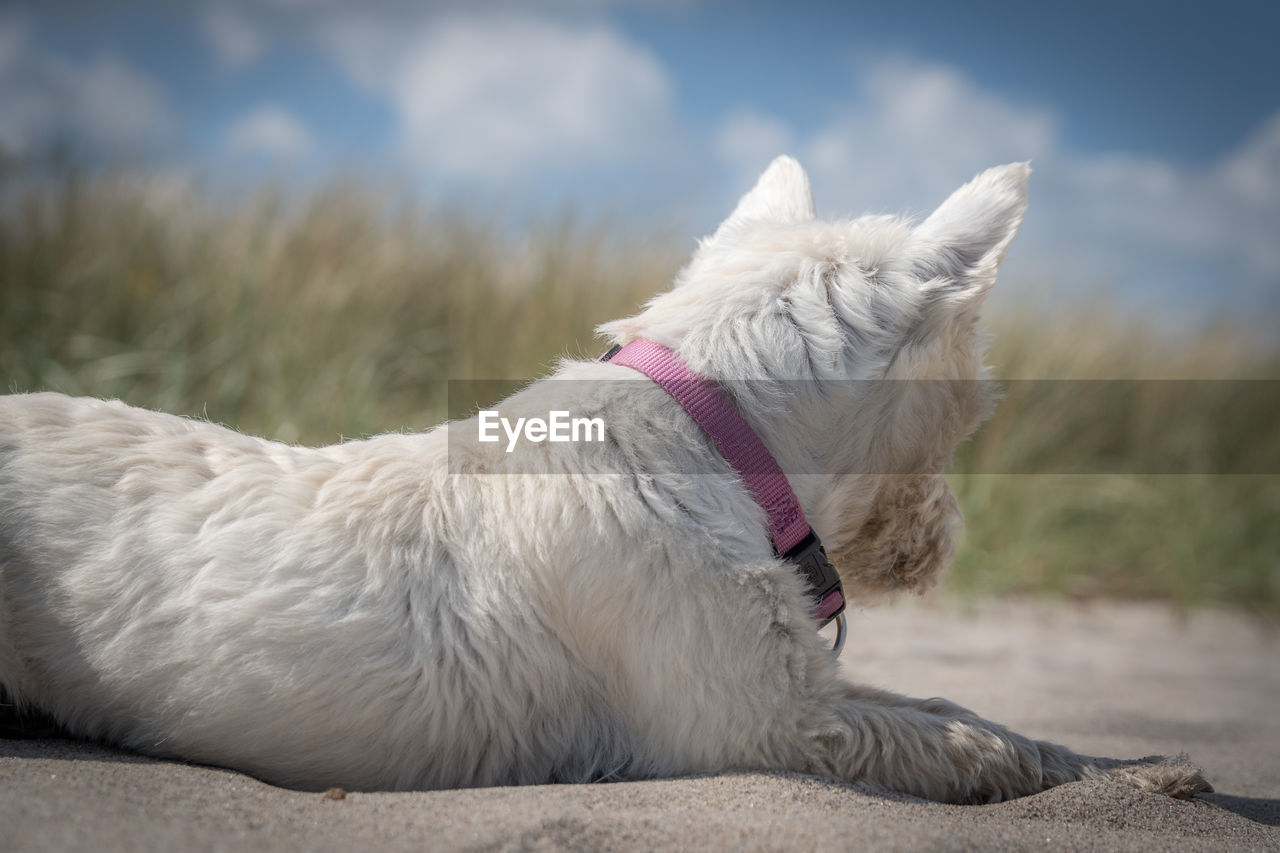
x,y
935,749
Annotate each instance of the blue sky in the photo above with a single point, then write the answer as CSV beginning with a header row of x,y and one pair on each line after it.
x,y
1153,125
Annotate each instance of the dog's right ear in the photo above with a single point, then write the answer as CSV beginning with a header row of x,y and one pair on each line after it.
x,y
782,195
962,243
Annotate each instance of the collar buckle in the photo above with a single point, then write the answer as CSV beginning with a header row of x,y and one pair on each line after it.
x,y
823,579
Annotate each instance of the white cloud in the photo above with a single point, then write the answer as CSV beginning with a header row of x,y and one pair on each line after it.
x,y
750,140
913,131
269,131
1157,228
909,134
1252,174
1250,183
237,42
492,98
119,103
105,99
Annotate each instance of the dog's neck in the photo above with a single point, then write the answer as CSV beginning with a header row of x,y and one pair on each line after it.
x,y
716,414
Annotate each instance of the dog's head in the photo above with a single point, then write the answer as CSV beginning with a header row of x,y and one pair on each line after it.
x,y
859,349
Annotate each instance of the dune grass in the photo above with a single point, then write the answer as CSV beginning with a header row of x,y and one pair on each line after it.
x,y
339,315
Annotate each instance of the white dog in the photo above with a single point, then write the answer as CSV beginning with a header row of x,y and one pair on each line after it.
x,y
398,613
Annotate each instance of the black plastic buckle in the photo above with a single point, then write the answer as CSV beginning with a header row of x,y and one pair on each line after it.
x,y
821,576
613,350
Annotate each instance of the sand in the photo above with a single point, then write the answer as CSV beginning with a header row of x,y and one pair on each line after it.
x,y
1118,680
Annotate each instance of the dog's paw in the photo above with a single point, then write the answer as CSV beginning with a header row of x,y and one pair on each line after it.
x,y
1174,777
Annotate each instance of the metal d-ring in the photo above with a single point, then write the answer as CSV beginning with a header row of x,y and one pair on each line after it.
x,y
842,631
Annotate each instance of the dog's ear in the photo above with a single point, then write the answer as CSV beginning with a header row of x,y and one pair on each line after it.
x,y
782,195
960,245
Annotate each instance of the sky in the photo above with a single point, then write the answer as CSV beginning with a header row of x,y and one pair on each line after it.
x,y
1153,126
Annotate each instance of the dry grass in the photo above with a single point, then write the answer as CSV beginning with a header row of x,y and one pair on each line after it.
x,y
307,320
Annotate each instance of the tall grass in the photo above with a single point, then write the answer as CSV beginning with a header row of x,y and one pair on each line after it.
x,y
1174,502
297,321
336,315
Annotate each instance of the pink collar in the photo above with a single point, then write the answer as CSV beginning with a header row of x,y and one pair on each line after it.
x,y
793,538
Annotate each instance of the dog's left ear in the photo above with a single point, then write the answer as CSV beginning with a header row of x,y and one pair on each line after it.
x,y
782,195
962,243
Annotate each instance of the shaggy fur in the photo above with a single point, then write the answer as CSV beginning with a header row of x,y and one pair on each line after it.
x,y
388,614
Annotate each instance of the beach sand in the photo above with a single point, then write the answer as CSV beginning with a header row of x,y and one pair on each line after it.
x,y
1105,679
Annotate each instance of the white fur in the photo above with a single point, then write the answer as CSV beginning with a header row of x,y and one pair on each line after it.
x,y
396,613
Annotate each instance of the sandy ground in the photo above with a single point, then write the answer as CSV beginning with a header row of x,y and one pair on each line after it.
x,y
1111,680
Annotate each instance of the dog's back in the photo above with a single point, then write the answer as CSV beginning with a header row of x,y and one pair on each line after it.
x,y
315,616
